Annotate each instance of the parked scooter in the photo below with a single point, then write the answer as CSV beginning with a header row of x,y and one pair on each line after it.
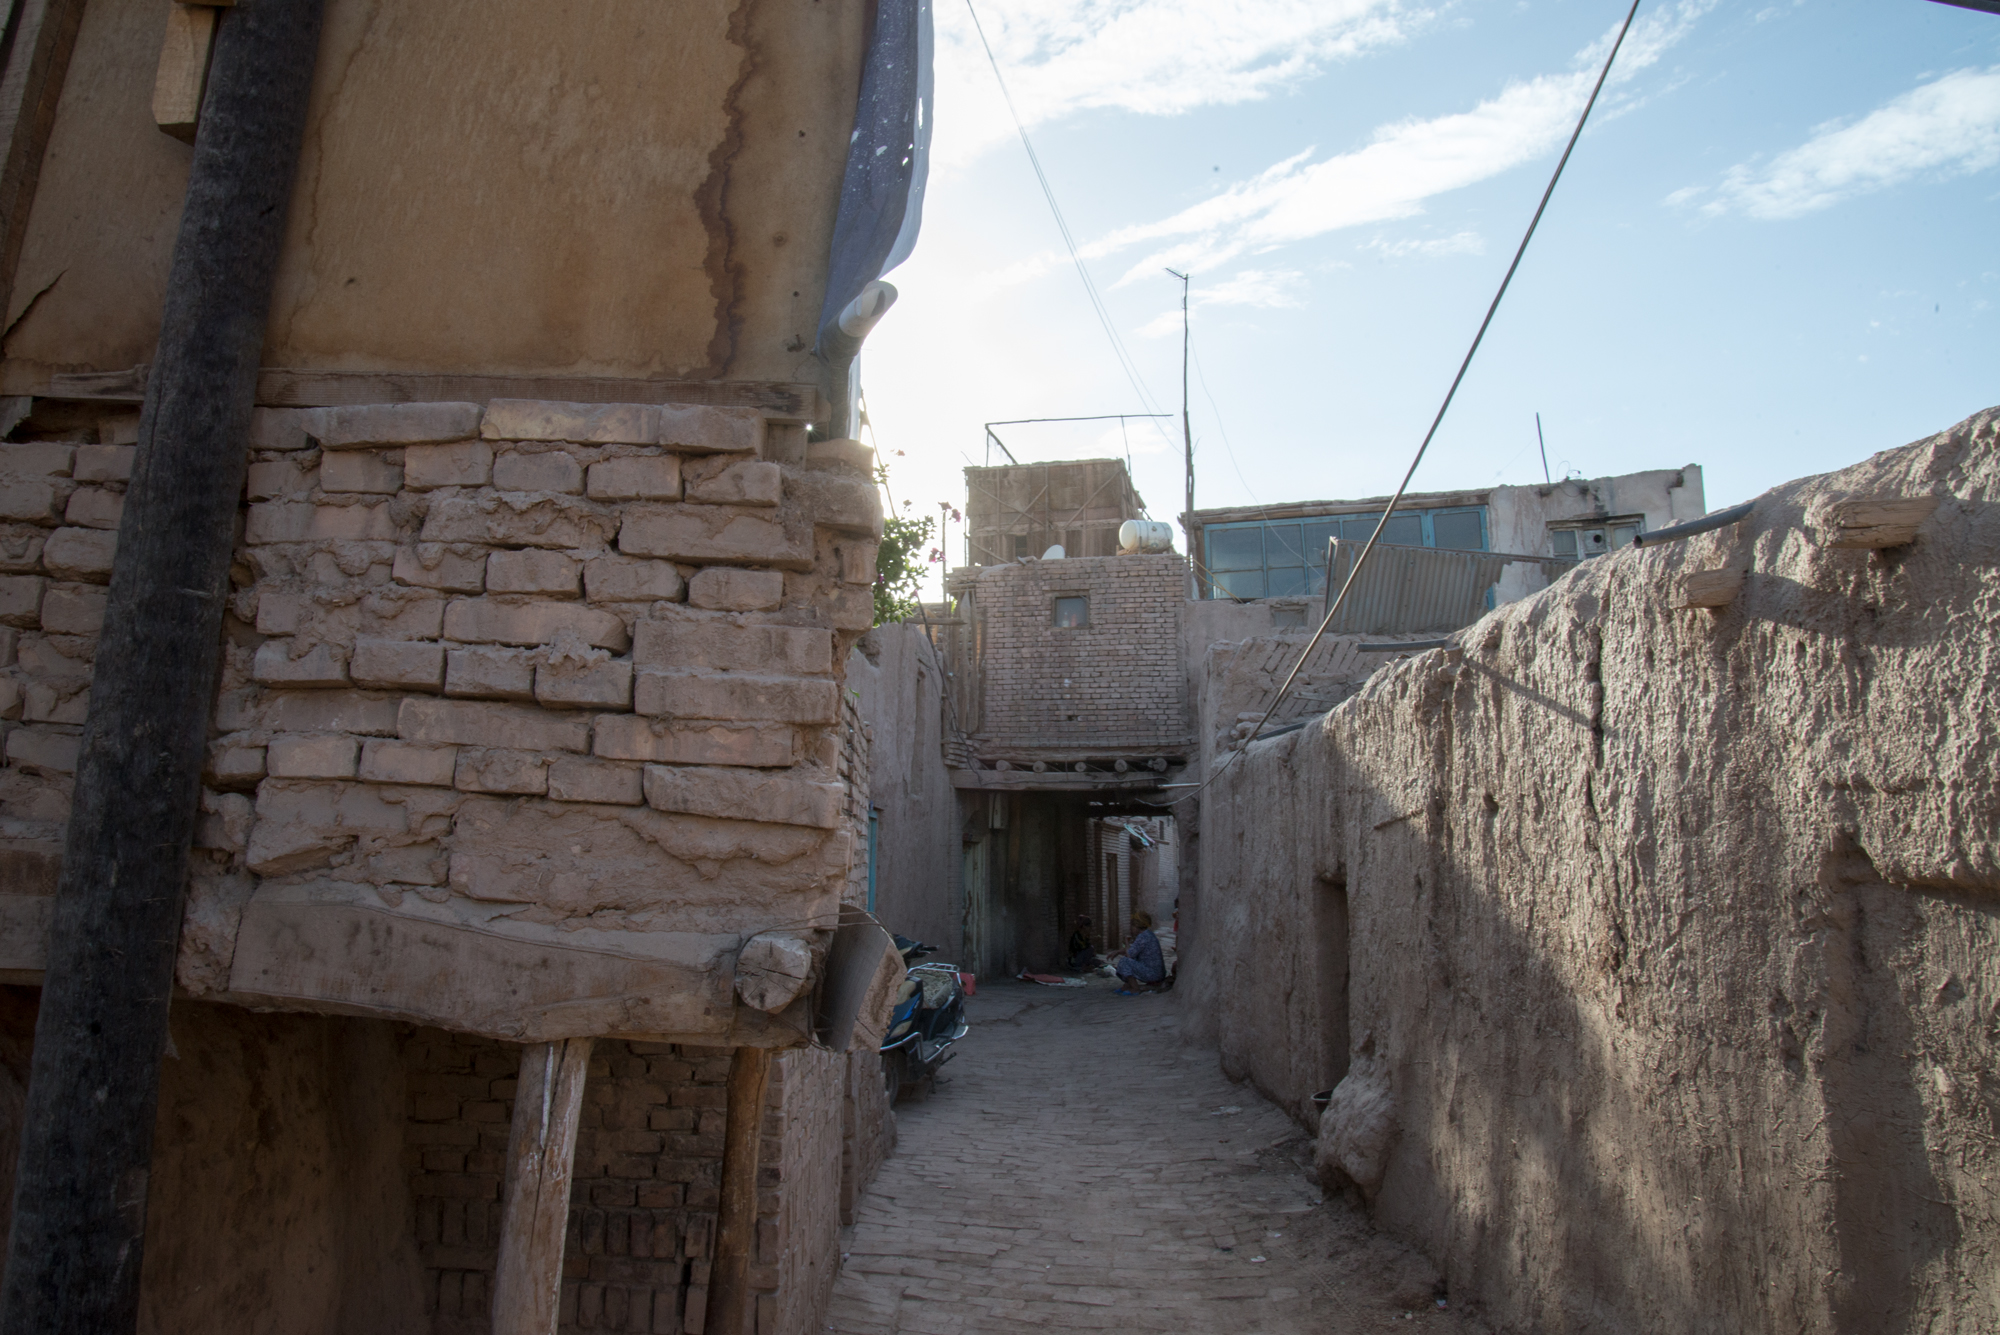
x,y
929,1017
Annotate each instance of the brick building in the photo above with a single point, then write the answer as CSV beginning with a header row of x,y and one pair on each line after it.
x,y
520,964
1022,510
1072,705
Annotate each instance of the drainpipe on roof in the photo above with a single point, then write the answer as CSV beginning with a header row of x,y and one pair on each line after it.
x,y
881,199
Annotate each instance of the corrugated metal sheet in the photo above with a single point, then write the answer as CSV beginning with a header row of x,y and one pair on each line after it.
x,y
1405,590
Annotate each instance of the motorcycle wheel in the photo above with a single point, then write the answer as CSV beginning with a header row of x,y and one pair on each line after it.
x,y
892,1076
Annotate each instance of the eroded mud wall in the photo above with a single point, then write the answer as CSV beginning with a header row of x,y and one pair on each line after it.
x,y
1673,989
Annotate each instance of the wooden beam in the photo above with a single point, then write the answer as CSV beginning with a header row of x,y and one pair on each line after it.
x,y
75,1250
1708,588
183,72
541,1158
1871,522
35,46
780,401
730,1304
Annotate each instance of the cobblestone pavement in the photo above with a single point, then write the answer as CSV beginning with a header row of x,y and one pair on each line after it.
x,y
1078,1168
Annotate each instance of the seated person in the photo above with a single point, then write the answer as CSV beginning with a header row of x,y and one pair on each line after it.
x,y
1081,956
1140,965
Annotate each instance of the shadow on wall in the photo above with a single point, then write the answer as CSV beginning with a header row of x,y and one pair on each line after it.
x,y
1673,994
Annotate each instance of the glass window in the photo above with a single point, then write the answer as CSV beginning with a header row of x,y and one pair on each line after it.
x,y
1278,558
1072,613
1563,542
1236,548
1404,530
1240,583
1461,529
1317,532
1281,544
1622,535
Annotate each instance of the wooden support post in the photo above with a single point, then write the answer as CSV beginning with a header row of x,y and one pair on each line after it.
x,y
541,1156
729,1300
75,1250
35,46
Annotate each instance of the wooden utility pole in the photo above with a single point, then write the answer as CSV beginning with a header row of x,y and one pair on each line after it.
x,y
74,1252
1187,441
541,1158
729,1301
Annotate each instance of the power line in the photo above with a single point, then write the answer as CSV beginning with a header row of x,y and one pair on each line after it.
x,y
1354,571
1227,443
1125,361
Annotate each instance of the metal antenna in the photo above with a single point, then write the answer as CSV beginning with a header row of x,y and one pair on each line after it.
x,y
1545,448
1187,432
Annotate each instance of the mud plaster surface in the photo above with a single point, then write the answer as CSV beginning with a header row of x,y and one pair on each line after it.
x,y
1672,932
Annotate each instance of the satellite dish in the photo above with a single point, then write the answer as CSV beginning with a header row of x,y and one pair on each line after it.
x,y
1055,553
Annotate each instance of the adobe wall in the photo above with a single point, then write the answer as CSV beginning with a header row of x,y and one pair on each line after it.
x,y
529,717
898,682
702,145
1673,992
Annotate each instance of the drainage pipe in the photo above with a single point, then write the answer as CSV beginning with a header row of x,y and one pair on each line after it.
x,y
1735,514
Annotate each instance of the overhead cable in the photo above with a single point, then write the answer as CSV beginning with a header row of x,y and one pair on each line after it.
x,y
1125,361
1332,611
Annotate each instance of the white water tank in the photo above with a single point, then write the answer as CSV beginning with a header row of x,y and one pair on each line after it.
x,y
1144,535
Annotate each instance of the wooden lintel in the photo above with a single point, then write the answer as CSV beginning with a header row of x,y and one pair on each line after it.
x,y
780,401
1871,522
541,1153
1065,781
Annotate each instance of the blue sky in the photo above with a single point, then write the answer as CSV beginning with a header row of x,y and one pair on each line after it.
x,y
1775,251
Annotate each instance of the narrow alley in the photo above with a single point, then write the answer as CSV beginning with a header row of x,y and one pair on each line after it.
x,y
1080,1168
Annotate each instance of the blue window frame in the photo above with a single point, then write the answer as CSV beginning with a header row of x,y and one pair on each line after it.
x,y
1277,558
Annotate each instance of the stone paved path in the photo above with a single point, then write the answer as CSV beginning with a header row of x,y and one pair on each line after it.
x,y
1078,1168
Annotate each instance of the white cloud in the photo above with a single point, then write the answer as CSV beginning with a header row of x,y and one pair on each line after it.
x,y
1151,57
1406,164
1458,243
1270,289
1948,127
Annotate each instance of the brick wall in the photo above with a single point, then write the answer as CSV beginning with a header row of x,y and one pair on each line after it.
x,y
498,668
647,1170
1112,686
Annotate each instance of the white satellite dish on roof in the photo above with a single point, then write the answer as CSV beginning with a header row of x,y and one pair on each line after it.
x,y
1055,553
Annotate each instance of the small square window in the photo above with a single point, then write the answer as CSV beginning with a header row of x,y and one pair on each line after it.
x,y
1072,613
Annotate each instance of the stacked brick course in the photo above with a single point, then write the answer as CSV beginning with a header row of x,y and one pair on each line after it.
x,y
1112,686
519,669
643,1199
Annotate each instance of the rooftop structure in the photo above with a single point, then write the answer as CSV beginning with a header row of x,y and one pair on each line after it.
x,y
1024,509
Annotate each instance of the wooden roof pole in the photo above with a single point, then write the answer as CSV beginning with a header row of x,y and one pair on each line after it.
x,y
75,1249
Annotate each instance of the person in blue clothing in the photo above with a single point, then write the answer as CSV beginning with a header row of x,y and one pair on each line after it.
x,y
1140,966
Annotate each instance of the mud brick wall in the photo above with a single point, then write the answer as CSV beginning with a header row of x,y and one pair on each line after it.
x,y
799,1191
513,668
1114,685
856,741
1653,948
647,1171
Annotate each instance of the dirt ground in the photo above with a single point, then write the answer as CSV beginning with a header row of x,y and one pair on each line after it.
x,y
1077,1167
